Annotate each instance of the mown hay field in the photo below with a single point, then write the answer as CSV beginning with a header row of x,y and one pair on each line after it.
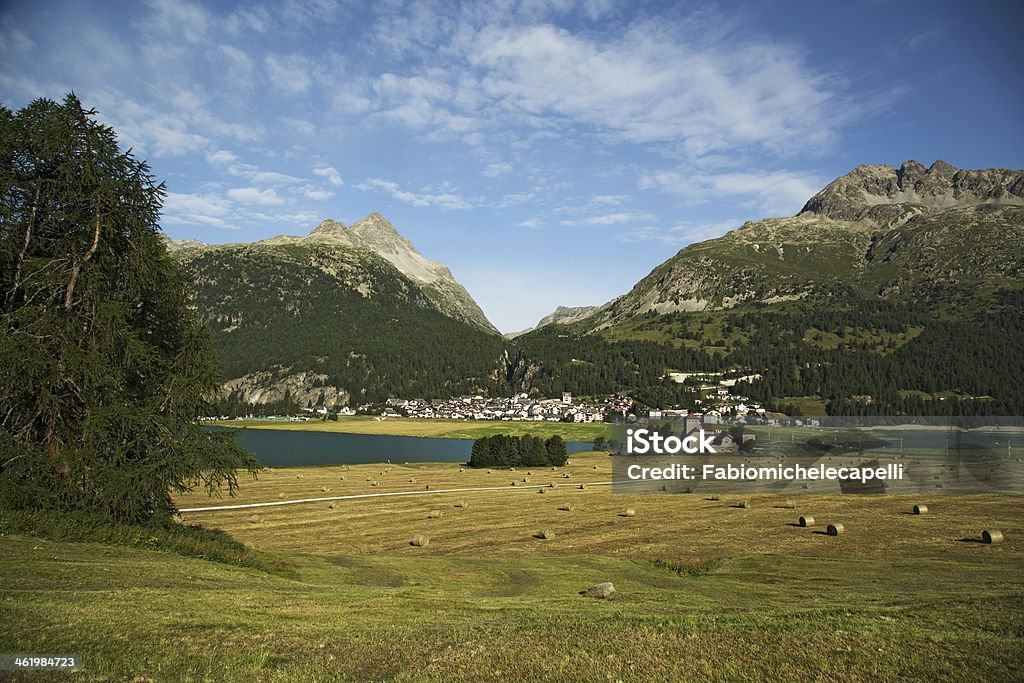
x,y
706,590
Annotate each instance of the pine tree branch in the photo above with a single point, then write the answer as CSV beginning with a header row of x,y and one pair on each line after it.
x,y
76,268
9,303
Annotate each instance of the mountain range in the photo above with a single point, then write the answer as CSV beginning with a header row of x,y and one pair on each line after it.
x,y
900,258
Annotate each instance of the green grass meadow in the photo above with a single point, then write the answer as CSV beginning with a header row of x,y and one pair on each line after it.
x,y
334,591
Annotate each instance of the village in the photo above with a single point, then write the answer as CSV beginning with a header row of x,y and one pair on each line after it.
x,y
518,408
717,404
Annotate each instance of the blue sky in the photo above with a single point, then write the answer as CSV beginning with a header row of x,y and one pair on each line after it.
x,y
549,152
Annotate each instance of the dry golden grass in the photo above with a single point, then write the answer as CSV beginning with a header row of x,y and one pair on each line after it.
x,y
503,522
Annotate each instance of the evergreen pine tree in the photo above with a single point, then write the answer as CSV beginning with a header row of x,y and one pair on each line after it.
x,y
103,368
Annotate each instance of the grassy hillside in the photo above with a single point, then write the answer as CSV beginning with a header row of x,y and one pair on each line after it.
x,y
707,591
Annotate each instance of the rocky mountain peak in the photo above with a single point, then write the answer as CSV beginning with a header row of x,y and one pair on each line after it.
x,y
377,233
864,191
177,245
328,226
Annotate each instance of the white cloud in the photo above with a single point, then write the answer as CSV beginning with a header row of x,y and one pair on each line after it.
x,y
610,219
179,19
235,167
647,86
610,199
330,173
531,223
145,128
291,74
197,209
222,157
652,83
446,201
515,199
253,195
238,67
680,233
255,19
497,169
300,126
774,192
316,194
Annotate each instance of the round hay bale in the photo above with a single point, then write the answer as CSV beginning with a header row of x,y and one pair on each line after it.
x,y
298,476
835,529
331,506
629,512
530,473
374,483
526,480
992,536
920,509
256,519
807,521
565,476
281,496
745,504
461,470
552,485
567,507
343,477
582,487
788,504
546,534
412,480
714,498
542,490
435,514
461,504
595,467
420,541
324,489
488,471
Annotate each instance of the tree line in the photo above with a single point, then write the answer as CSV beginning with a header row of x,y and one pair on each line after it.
x,y
504,450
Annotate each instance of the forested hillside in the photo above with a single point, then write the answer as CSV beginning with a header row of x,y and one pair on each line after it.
x,y
851,356
320,323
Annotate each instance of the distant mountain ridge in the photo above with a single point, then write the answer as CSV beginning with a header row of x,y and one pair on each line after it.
x,y
562,315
